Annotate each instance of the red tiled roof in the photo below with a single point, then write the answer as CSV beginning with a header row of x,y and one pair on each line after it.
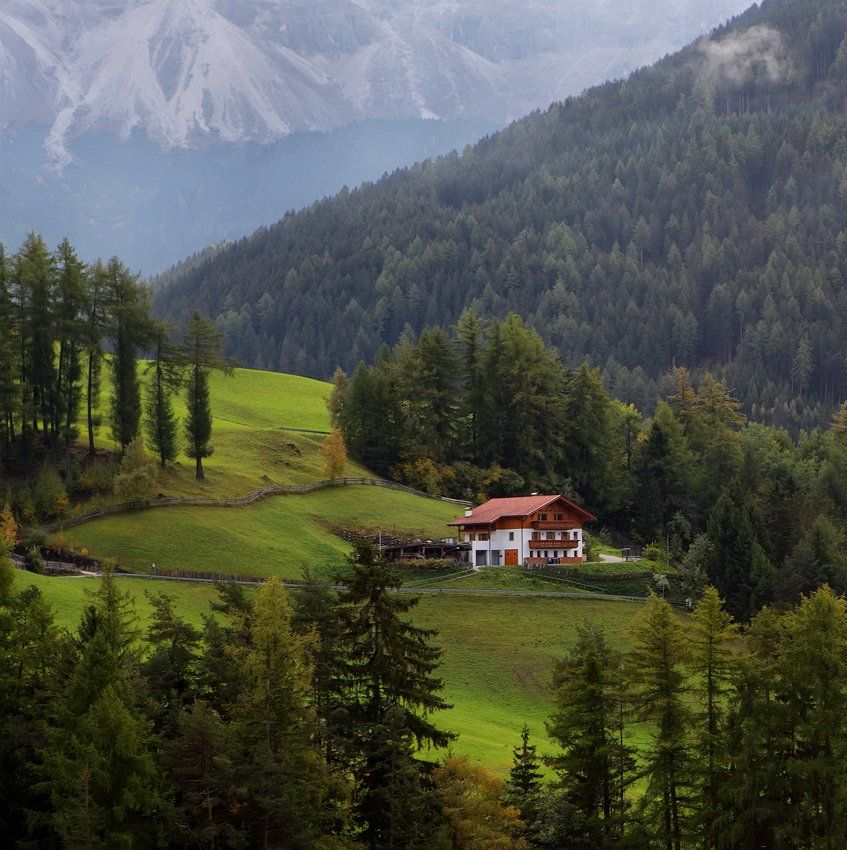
x,y
519,506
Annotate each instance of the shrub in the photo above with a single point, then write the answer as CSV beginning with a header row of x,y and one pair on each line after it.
x,y
136,476
654,552
8,527
96,477
34,561
49,496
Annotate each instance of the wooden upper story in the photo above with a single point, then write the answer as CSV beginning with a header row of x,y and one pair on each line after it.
x,y
538,513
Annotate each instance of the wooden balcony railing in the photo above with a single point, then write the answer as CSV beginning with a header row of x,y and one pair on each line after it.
x,y
559,525
553,544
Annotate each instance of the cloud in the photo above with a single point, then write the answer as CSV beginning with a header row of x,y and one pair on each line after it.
x,y
756,52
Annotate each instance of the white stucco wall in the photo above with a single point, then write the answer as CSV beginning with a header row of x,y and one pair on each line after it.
x,y
499,542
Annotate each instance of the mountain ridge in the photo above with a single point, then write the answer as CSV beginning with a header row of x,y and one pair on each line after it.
x,y
668,219
259,70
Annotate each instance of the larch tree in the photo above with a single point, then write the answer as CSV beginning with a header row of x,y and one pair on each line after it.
x,y
71,290
129,329
335,454
713,660
658,679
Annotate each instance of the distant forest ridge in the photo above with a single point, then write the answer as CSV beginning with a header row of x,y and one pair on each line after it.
x,y
694,214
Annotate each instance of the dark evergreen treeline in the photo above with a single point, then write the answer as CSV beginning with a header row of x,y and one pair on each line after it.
x,y
492,412
61,324
305,722
692,215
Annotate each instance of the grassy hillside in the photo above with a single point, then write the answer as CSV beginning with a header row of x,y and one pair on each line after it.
x,y
277,536
250,449
498,651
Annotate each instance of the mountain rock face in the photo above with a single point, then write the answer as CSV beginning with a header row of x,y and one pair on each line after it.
x,y
184,72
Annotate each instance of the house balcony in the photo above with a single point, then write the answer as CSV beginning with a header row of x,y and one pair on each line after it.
x,y
553,526
553,544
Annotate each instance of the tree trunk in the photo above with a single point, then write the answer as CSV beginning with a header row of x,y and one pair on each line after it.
x,y
199,469
90,412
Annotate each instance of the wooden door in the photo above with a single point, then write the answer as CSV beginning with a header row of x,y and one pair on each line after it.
x,y
511,557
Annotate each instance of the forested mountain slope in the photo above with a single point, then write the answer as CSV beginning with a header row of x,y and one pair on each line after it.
x,y
694,214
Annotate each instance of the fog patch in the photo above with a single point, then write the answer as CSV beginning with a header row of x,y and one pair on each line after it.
x,y
753,54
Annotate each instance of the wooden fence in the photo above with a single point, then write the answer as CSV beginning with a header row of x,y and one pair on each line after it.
x,y
256,495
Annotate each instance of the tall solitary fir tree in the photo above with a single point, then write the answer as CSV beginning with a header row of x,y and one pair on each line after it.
x,y
165,377
391,689
201,352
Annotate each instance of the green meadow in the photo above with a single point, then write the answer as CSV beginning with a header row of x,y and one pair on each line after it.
x,y
279,535
498,651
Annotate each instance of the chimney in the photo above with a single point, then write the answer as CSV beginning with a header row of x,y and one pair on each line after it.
x,y
468,511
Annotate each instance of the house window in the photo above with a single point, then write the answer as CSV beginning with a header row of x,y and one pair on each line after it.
x,y
558,517
511,535
542,517
483,535
536,535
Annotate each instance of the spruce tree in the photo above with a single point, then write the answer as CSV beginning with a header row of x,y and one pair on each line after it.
x,y
170,669
391,688
201,353
738,565
523,788
200,768
98,763
594,767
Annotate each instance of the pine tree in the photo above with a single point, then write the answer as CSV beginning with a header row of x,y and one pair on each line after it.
x,y
470,342
35,276
659,696
165,377
201,353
